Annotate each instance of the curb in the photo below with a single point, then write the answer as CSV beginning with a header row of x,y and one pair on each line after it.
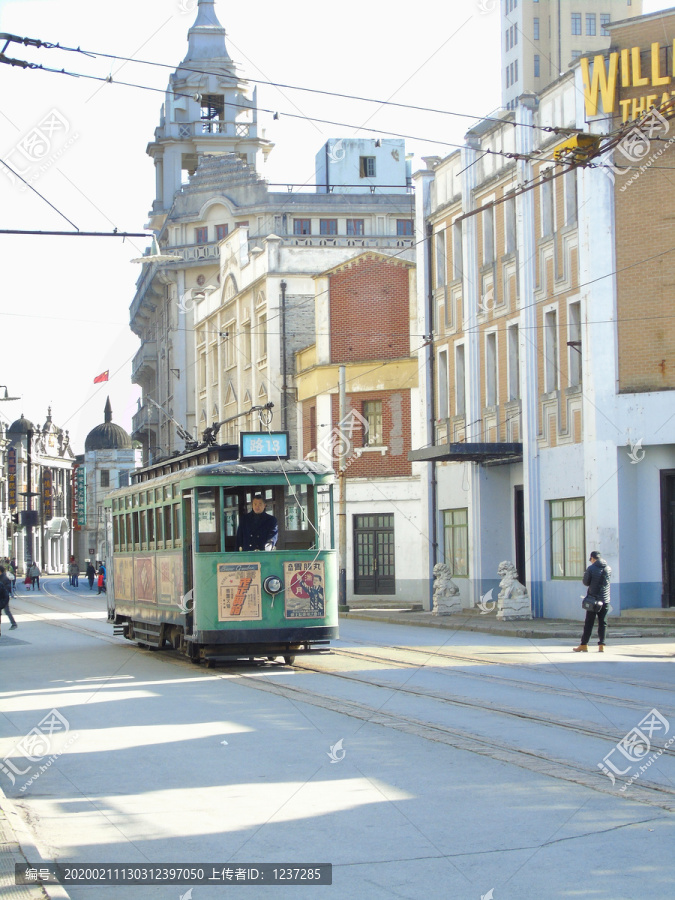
x,y
17,845
566,630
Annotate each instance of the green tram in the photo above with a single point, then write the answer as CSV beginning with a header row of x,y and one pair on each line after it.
x,y
176,578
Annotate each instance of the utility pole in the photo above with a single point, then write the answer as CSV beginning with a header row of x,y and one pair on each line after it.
x,y
342,496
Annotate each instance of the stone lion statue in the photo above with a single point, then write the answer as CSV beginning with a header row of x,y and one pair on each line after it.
x,y
446,592
514,600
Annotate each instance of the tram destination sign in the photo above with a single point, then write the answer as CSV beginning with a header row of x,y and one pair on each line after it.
x,y
263,445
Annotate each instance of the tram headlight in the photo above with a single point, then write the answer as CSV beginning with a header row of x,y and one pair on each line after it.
x,y
272,584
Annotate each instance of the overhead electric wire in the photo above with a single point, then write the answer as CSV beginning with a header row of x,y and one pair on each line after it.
x,y
292,87
28,184
122,234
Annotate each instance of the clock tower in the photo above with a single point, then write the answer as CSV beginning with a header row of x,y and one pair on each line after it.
x,y
209,109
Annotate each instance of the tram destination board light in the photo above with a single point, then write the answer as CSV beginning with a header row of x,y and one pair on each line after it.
x,y
263,445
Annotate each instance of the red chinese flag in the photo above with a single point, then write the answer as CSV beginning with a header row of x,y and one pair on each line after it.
x,y
102,377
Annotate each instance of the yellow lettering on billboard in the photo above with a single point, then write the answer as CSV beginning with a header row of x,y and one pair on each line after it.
x,y
657,77
638,80
625,68
602,82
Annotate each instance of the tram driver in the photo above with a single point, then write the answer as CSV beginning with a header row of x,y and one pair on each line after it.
x,y
258,530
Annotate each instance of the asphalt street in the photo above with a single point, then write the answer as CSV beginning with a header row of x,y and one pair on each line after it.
x,y
419,762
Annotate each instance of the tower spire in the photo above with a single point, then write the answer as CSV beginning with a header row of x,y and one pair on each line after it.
x,y
207,36
108,411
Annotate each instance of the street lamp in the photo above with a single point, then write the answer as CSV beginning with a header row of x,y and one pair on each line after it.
x,y
7,397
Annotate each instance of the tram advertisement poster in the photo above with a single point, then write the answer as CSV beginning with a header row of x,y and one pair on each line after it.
x,y
304,596
123,570
239,592
170,569
144,579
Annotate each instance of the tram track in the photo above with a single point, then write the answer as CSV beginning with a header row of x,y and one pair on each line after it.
x,y
491,660
480,704
643,791
649,793
483,677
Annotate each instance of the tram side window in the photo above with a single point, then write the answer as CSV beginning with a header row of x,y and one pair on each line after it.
x,y
158,528
137,531
168,534
144,530
231,520
299,525
116,533
176,524
151,529
208,520
130,540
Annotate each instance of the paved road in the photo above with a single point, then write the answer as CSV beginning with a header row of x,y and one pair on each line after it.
x,y
422,763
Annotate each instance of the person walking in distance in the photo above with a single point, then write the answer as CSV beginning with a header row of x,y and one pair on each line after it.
x,y
74,572
596,578
5,594
91,574
101,578
34,573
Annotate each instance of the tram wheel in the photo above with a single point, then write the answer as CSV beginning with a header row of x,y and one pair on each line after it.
x,y
289,660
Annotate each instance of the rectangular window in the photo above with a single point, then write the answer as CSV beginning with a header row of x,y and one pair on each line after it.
x,y
312,428
221,232
546,206
570,178
491,369
354,227
262,337
507,45
201,235
515,71
404,227
328,226
443,407
456,251
488,235
105,478
456,540
367,166
590,24
535,28
508,76
510,224
567,522
575,343
537,65
576,23
551,344
604,22
514,362
158,527
460,391
208,519
302,226
440,258
372,413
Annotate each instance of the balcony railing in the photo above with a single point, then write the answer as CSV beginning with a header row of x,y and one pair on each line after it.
x,y
145,358
147,416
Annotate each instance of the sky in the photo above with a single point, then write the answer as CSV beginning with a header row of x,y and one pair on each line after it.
x,y
64,301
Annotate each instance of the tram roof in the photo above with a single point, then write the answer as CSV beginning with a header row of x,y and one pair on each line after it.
x,y
161,473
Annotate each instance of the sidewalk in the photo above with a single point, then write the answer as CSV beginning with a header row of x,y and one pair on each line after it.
x,y
16,846
626,627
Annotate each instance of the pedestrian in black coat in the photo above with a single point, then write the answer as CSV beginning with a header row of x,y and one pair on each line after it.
x,y
596,579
